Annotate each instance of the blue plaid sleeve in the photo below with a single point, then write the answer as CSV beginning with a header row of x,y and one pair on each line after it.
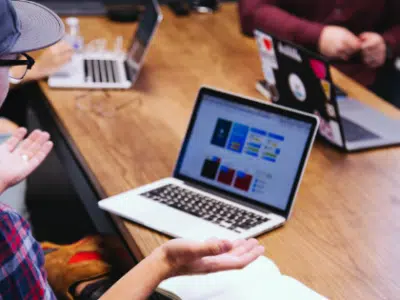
x,y
22,273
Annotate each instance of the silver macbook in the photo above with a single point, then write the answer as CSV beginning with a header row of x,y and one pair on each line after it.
x,y
300,79
111,70
237,174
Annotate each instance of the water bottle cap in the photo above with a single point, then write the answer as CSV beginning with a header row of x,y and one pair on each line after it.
x,y
72,21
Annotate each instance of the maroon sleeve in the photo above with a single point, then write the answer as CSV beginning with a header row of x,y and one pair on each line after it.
x,y
268,16
392,35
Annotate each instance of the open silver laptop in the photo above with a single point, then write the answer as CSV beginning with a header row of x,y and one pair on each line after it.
x,y
300,79
111,70
237,174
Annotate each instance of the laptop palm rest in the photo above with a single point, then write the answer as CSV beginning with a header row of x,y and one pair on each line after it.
x,y
369,118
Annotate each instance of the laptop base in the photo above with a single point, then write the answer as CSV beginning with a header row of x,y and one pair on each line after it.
x,y
93,71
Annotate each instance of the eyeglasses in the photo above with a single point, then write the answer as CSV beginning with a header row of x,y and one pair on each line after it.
x,y
21,67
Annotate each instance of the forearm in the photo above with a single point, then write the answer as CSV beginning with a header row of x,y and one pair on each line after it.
x,y
287,26
268,16
140,282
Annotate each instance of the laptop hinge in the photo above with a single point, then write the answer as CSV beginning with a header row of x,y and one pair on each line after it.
x,y
228,197
127,71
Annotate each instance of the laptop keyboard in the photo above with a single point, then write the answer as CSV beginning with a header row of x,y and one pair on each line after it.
x,y
354,132
206,208
101,71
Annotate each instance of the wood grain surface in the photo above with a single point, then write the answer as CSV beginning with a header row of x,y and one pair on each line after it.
x,y
343,238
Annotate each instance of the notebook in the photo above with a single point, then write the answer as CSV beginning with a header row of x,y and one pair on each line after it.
x,y
259,280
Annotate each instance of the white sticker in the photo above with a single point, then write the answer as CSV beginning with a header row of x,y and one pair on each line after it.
x,y
290,52
297,87
330,109
269,74
267,51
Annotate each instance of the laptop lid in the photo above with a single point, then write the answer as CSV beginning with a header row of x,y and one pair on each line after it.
x,y
148,23
247,150
300,79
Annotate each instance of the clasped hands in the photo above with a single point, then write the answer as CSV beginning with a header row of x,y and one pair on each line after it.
x,y
338,42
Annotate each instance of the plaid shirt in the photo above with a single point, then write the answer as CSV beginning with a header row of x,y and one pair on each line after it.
x,y
22,273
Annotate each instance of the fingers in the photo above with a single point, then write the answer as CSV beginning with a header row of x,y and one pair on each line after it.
x,y
211,248
369,44
25,145
40,155
229,262
375,58
353,44
15,139
37,159
250,256
364,36
31,149
244,246
61,47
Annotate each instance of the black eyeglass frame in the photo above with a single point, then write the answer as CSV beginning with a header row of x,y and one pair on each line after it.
x,y
29,62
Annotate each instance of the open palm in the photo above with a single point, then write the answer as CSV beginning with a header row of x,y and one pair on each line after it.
x,y
190,257
19,157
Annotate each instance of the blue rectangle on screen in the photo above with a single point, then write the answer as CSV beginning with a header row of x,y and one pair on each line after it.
x,y
258,131
269,159
277,151
258,146
276,136
238,137
251,153
240,174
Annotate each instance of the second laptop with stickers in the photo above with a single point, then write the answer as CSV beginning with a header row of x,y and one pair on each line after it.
x,y
300,79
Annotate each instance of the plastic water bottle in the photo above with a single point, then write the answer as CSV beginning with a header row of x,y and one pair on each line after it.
x,y
72,36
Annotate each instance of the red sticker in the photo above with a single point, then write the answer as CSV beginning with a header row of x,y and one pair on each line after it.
x,y
268,44
318,68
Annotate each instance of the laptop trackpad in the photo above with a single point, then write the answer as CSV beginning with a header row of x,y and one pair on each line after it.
x,y
369,118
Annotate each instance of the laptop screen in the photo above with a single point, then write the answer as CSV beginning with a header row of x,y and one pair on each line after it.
x,y
246,151
145,30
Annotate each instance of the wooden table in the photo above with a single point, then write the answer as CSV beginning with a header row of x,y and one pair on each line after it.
x,y
343,239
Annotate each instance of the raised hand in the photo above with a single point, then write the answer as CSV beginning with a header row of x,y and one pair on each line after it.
x,y
19,157
49,62
184,257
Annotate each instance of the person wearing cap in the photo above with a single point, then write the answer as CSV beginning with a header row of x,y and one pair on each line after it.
x,y
362,38
26,26
50,61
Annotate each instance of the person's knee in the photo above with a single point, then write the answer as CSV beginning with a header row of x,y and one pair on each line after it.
x,y
6,126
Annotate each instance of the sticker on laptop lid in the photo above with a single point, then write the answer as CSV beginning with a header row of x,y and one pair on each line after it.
x,y
267,51
324,128
319,68
290,52
331,111
330,130
297,87
269,74
326,87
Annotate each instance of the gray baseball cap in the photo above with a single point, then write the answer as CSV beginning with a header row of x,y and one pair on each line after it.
x,y
27,26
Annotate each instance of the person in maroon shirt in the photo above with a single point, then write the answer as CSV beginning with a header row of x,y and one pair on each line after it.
x,y
362,36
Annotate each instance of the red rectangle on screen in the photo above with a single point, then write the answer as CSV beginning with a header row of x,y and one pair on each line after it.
x,y
243,181
226,175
